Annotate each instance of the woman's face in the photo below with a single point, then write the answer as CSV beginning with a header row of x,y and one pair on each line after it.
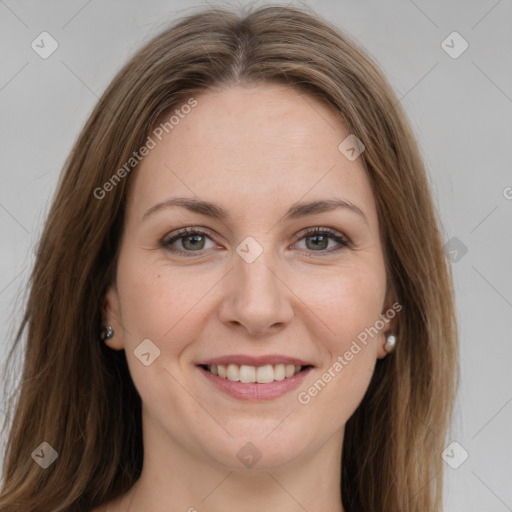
x,y
256,289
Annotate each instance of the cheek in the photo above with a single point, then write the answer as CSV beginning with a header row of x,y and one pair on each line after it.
x,y
158,304
346,302
166,305
157,299
349,304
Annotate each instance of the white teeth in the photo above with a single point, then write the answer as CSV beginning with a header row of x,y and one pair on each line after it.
x,y
222,371
279,373
265,374
289,370
233,372
248,374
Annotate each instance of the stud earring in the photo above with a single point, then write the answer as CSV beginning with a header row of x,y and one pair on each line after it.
x,y
390,343
107,333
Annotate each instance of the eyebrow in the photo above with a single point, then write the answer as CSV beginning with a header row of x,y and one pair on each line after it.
x,y
216,211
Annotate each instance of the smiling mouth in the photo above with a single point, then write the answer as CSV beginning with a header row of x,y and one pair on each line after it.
x,y
248,374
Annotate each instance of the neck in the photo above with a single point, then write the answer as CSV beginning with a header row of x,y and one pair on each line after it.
x,y
176,478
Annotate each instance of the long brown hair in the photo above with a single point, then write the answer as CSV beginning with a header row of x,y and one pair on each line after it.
x,y
77,394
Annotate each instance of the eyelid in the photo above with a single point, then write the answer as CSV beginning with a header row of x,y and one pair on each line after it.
x,y
188,231
321,230
341,239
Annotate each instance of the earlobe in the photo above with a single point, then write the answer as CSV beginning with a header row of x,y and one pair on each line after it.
x,y
112,332
381,352
388,337
388,345
390,342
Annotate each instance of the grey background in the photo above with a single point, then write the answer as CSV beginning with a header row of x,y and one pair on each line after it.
x,y
460,110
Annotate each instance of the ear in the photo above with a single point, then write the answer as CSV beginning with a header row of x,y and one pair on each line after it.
x,y
111,316
389,317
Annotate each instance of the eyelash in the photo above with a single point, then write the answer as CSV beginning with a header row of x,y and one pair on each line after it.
x,y
183,233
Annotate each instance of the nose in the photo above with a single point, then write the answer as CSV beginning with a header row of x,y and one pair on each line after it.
x,y
256,297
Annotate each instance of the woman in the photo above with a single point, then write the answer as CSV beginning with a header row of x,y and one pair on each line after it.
x,y
240,299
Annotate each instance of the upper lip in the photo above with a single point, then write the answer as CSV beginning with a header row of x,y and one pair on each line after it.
x,y
240,359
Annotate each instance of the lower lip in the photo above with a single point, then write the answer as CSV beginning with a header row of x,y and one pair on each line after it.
x,y
254,391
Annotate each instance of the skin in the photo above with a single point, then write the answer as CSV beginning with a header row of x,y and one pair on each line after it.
x,y
255,151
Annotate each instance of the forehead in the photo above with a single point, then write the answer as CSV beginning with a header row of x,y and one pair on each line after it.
x,y
264,145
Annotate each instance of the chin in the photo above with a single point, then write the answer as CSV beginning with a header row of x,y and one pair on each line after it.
x,y
252,450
